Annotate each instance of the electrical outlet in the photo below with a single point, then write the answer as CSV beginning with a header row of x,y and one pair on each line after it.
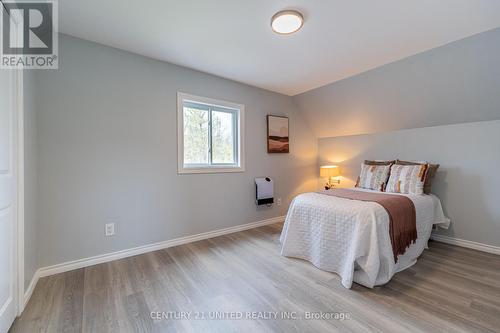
x,y
278,201
110,229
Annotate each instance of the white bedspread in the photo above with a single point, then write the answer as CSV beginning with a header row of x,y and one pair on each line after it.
x,y
351,237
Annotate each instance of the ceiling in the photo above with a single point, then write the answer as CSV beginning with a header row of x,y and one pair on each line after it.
x,y
233,38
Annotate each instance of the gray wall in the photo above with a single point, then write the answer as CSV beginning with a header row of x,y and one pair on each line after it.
x,y
107,152
467,182
455,83
30,179
106,144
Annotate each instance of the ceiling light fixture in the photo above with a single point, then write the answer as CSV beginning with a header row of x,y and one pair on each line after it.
x,y
287,22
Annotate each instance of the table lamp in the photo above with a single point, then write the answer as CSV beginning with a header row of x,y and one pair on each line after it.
x,y
330,171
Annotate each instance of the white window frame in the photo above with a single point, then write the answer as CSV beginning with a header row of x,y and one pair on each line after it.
x,y
211,168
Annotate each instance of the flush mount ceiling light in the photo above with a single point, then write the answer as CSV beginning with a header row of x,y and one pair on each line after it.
x,y
287,22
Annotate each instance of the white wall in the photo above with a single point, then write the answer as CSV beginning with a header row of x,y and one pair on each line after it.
x,y
467,182
106,131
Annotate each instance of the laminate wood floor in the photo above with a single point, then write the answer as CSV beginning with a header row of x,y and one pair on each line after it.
x,y
196,287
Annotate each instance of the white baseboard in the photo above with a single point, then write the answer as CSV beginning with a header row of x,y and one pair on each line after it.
x,y
85,262
81,263
466,243
31,288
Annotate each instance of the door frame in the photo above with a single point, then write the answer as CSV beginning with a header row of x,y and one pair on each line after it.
x,y
19,170
20,190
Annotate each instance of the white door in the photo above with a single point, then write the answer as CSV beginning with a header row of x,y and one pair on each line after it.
x,y
8,214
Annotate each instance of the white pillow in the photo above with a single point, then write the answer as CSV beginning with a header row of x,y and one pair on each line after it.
x,y
407,179
373,177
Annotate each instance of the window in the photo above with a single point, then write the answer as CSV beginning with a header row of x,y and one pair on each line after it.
x,y
210,135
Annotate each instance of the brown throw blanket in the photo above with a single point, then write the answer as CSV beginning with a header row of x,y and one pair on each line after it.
x,y
402,215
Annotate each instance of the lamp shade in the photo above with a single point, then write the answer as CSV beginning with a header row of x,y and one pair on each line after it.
x,y
328,171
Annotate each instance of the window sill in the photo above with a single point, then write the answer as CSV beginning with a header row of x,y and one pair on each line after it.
x,y
210,170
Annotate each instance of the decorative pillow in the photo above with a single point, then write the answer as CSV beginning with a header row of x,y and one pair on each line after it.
x,y
431,172
408,179
373,177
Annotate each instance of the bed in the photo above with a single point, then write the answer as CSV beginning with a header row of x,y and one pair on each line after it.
x,y
351,237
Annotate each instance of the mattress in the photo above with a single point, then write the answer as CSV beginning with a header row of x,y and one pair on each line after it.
x,y
351,237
